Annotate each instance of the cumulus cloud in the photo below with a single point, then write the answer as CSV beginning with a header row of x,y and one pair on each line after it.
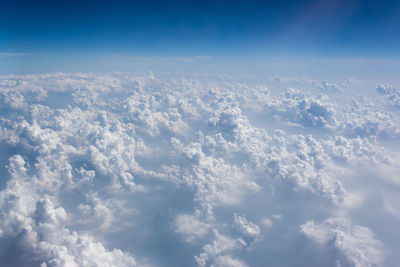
x,y
219,252
250,231
298,107
329,87
191,226
193,170
356,242
35,232
391,94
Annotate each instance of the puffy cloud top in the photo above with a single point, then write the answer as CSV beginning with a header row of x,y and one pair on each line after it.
x,y
357,243
172,170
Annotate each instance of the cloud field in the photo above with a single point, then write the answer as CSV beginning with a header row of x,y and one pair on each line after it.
x,y
198,170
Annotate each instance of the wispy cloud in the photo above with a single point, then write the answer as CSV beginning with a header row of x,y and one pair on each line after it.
x,y
12,54
133,59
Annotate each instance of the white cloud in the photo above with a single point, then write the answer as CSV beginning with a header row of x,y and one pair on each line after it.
x,y
267,222
356,242
39,229
250,231
277,216
328,87
156,164
191,226
391,94
218,253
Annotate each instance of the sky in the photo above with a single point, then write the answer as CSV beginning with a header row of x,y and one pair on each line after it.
x,y
41,36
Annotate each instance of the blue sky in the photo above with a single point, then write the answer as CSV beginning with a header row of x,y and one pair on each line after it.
x,y
68,35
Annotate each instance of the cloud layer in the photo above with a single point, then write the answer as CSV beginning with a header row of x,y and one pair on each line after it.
x,y
167,170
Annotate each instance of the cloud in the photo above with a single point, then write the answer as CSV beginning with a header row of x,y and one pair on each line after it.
x,y
391,94
356,242
191,226
296,106
127,59
11,54
218,253
328,87
31,225
194,170
249,230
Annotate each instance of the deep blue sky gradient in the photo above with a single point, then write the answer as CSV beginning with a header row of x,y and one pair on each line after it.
x,y
59,30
